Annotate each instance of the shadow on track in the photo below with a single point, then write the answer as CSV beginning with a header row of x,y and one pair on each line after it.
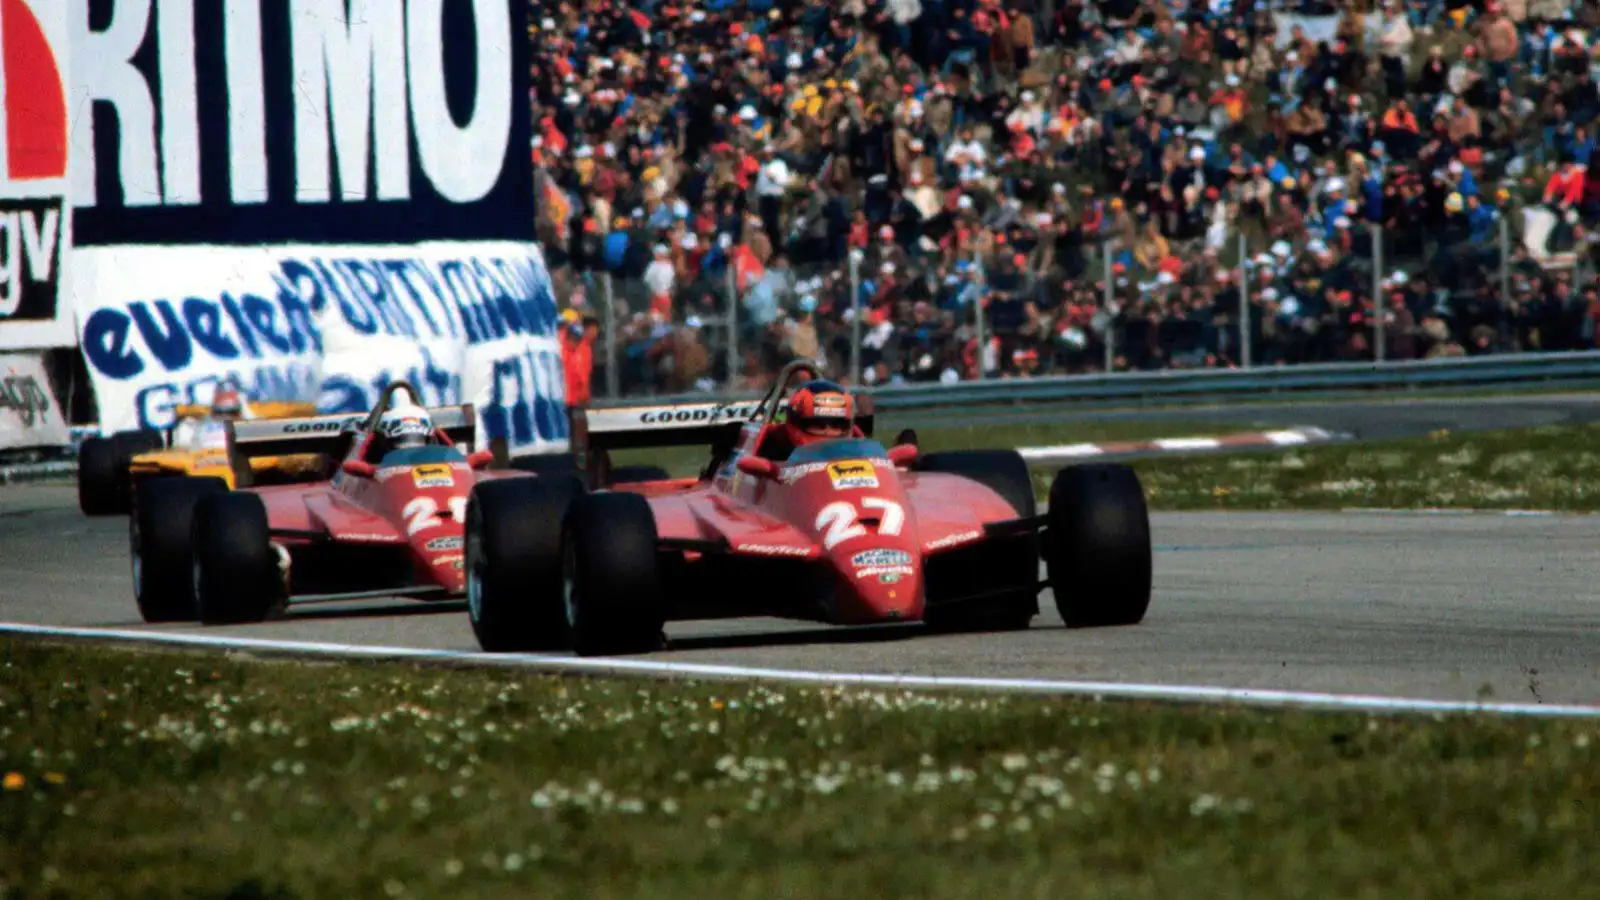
x,y
832,634
400,609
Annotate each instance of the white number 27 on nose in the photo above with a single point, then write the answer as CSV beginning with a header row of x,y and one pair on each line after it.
x,y
838,521
423,513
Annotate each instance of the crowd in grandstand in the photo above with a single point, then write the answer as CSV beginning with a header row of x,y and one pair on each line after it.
x,y
989,154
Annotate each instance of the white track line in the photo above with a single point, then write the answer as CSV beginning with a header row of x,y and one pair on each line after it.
x,y
1097,690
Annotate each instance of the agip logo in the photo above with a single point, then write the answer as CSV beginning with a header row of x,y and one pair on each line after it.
x,y
33,156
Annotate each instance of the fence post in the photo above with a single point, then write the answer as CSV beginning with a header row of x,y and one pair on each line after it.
x,y
1505,260
977,313
856,312
1379,334
1244,301
609,321
1110,299
733,322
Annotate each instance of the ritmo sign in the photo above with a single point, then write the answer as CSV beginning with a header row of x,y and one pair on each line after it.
x,y
369,108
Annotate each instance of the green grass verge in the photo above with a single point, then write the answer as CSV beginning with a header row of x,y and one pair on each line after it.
x,y
687,461
1555,467
142,773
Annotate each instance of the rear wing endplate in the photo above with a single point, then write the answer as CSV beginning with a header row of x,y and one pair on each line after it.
x,y
328,434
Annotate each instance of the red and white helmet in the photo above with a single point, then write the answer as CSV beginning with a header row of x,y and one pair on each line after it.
x,y
819,410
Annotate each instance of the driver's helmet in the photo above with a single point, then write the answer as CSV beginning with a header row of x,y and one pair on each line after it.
x,y
227,404
819,410
406,426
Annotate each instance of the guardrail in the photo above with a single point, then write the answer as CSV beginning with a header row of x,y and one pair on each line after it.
x,y
1207,385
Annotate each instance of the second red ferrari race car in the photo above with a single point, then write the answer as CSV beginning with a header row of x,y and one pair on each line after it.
x,y
800,514
388,523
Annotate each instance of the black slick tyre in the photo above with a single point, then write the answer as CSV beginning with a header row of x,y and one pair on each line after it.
x,y
105,487
102,478
161,545
513,561
614,599
237,578
1002,573
1097,546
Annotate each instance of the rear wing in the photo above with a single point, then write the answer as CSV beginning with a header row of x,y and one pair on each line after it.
x,y
330,434
678,425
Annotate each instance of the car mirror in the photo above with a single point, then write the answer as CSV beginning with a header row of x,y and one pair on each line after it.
x,y
359,468
757,466
480,459
904,454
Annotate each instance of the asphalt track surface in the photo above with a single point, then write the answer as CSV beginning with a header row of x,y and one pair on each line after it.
x,y
1454,608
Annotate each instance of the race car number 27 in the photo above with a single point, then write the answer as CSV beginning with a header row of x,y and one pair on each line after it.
x,y
839,522
422,513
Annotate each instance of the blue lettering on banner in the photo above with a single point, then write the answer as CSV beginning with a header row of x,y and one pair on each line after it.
x,y
270,341
156,404
171,336
511,415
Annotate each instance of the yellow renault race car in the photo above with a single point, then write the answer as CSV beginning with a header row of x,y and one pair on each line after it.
x,y
109,467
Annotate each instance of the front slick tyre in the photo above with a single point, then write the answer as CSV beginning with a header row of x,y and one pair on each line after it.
x,y
614,600
236,573
1097,547
513,558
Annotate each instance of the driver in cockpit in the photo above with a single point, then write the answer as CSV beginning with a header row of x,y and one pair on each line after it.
x,y
818,410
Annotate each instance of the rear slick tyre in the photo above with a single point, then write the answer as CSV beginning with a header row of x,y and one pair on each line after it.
x,y
513,560
160,542
614,601
102,479
1097,546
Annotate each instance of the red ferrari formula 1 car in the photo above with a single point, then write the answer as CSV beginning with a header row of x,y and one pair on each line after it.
x,y
800,514
388,523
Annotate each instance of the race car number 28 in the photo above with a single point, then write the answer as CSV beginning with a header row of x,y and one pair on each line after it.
x,y
839,522
422,513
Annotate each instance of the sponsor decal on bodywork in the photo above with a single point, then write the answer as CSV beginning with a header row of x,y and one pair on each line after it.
x,y
952,540
796,472
886,574
434,475
881,557
698,414
370,539
325,426
852,473
445,543
773,550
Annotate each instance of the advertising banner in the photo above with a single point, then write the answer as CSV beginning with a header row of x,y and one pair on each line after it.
x,y
256,122
312,196
464,322
35,228
29,416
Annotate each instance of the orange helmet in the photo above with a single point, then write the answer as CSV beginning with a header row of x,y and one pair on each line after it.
x,y
227,403
819,410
